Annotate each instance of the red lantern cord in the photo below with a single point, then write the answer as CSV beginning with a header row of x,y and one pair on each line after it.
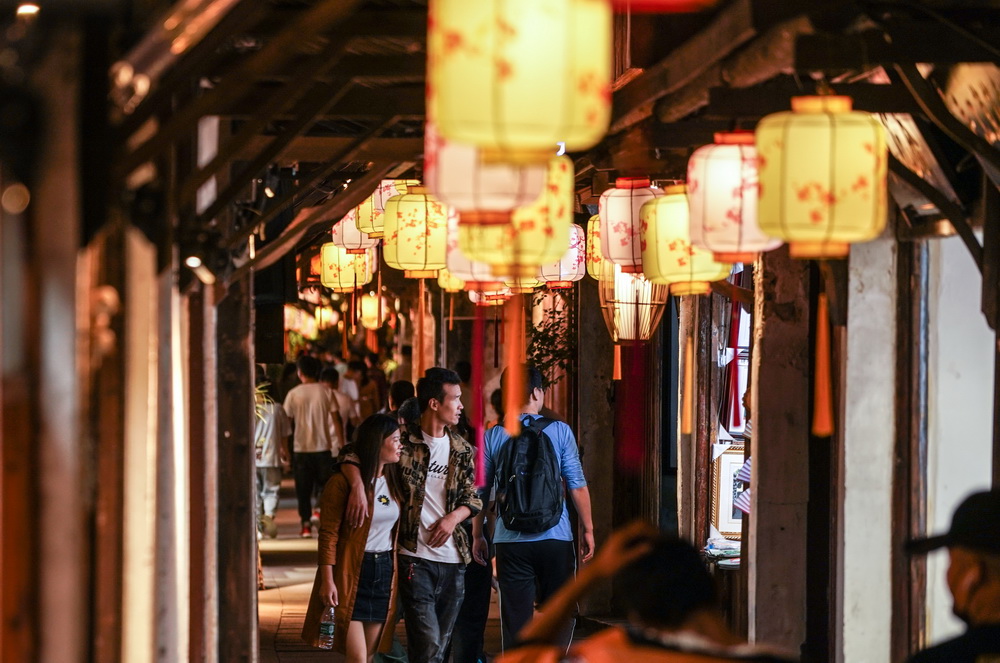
x,y
734,373
496,337
378,267
477,393
822,424
616,373
419,354
451,311
687,398
514,389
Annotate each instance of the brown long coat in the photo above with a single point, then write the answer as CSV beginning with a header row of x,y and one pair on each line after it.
x,y
343,546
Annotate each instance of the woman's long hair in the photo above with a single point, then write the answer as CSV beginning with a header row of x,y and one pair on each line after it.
x,y
368,442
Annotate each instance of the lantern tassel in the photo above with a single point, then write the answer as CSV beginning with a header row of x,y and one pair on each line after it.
x,y
379,294
419,354
822,424
514,352
616,373
688,393
451,311
496,338
477,394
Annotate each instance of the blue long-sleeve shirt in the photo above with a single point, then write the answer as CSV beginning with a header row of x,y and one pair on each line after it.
x,y
564,443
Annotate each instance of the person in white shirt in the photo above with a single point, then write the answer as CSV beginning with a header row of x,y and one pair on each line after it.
x,y
343,410
310,406
271,441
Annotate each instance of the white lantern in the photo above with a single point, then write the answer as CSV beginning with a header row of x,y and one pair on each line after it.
x,y
476,274
572,266
620,225
346,235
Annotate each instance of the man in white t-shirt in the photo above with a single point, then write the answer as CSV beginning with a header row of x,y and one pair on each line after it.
x,y
440,492
310,406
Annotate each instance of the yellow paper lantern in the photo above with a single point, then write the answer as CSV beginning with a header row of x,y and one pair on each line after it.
x,y
667,253
342,271
449,282
477,275
632,305
822,176
722,199
572,266
495,297
598,266
369,215
416,233
522,285
346,235
370,303
515,77
457,176
536,234
619,211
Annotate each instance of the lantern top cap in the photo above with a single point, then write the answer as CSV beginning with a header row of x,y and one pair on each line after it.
x,y
417,190
631,182
826,103
675,189
741,137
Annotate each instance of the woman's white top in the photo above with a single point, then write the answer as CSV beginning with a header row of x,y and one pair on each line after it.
x,y
385,513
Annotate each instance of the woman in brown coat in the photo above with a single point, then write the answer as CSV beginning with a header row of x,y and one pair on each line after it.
x,y
357,570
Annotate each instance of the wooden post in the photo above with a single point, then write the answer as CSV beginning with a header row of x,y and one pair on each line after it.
x,y
780,415
237,560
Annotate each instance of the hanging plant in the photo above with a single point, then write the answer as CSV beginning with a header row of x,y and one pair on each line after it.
x,y
551,334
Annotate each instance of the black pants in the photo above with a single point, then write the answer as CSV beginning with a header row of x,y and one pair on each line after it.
x,y
529,573
431,594
310,469
467,637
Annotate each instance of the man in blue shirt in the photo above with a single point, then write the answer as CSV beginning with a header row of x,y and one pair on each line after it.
x,y
532,567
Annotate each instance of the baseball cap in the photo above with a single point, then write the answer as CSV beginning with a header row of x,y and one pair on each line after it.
x,y
975,524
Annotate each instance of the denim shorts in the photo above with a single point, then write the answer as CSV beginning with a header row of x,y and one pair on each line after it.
x,y
371,603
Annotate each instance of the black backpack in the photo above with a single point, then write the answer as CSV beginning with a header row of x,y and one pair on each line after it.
x,y
529,485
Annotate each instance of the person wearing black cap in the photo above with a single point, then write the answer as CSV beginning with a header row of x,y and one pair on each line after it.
x,y
973,543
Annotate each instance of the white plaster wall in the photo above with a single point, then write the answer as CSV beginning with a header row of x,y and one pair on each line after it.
x,y
864,592
960,394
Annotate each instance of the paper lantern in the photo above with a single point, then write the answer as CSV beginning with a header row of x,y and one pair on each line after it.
x,y
515,77
631,305
536,234
477,275
346,235
342,271
722,199
449,282
822,176
416,233
667,253
522,285
370,317
598,266
572,266
490,297
482,192
619,211
369,215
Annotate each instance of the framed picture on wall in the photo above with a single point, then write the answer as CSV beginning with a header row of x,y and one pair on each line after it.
x,y
725,489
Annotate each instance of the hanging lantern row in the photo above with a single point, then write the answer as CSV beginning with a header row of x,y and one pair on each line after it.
x,y
370,214
487,59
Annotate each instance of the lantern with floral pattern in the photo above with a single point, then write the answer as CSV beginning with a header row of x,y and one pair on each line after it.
x,y
416,233
346,235
822,176
342,271
571,267
369,215
619,211
598,266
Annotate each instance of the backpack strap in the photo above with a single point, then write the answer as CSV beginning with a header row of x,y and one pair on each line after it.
x,y
538,424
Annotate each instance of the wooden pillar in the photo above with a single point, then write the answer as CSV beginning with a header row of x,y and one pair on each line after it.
x,y
780,415
237,559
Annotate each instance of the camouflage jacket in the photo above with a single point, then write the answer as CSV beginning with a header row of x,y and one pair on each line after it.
x,y
460,487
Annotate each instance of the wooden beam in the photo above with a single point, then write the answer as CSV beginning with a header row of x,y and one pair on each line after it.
x,y
369,69
321,149
756,102
405,101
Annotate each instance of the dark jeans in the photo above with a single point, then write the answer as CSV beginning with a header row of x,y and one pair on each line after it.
x,y
310,470
431,594
529,573
467,638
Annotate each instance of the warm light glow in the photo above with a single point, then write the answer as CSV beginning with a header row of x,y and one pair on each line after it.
x,y
667,254
449,282
416,233
477,275
369,214
346,235
822,176
631,305
535,235
598,266
663,6
28,9
516,77
457,176
343,271
193,262
369,310
722,199
619,211
572,266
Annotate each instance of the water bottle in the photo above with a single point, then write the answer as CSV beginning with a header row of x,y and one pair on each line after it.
x,y
326,629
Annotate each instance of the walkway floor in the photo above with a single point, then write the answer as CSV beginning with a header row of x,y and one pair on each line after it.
x,y
289,568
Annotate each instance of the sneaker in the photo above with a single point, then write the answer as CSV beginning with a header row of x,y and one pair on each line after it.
x,y
315,516
307,530
268,526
